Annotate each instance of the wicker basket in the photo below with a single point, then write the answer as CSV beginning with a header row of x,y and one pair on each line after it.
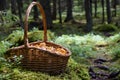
x,y
37,59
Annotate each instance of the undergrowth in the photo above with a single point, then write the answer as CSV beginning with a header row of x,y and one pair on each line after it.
x,y
82,48
16,37
4,46
8,19
106,28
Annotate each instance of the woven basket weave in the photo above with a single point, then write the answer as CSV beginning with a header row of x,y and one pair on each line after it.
x,y
37,59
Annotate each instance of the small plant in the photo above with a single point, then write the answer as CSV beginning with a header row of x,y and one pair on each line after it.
x,y
16,37
114,39
5,69
16,61
82,46
8,19
106,27
116,52
4,46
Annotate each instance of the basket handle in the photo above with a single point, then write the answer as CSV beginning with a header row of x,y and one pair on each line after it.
x,y
26,22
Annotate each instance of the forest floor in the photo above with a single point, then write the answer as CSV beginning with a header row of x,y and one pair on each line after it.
x,y
102,65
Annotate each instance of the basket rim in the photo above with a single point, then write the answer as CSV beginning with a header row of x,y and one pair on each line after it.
x,y
32,47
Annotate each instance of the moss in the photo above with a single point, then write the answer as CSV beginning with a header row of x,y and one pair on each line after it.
x,y
115,51
16,37
76,71
27,75
38,35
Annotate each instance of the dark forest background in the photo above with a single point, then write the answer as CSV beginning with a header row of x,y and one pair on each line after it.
x,y
81,11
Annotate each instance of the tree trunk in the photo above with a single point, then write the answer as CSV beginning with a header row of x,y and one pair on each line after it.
x,y
103,13
109,17
91,10
3,5
19,2
88,15
35,12
69,11
13,7
95,2
114,3
47,8
59,11
54,13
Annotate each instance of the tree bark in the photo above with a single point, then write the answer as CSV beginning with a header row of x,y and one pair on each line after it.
x,y
91,10
13,7
114,3
95,8
109,17
69,11
103,13
19,2
59,11
54,13
88,15
3,5
47,8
